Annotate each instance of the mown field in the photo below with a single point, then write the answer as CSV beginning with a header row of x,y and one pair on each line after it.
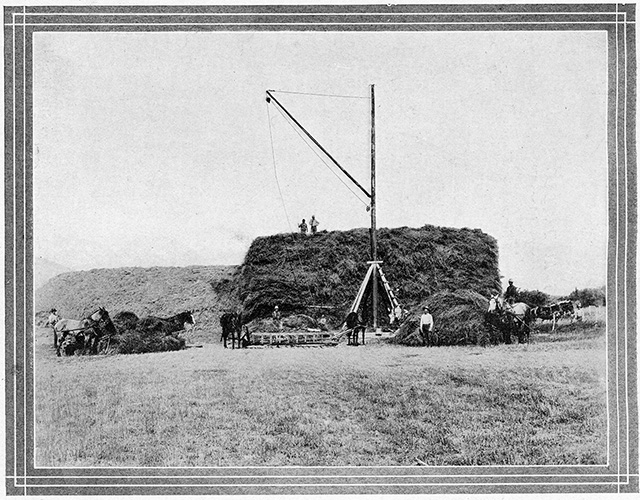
x,y
378,404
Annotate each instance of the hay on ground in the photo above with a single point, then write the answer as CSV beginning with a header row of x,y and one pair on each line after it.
x,y
459,319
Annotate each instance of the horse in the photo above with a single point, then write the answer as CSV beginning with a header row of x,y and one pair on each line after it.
x,y
355,327
231,324
89,331
168,326
550,312
511,318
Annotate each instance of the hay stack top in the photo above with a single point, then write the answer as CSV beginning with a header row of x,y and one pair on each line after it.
x,y
299,273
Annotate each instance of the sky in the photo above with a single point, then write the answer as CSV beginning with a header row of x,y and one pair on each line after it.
x,y
159,149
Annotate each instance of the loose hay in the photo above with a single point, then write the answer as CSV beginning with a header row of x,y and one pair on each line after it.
x,y
293,323
139,341
459,319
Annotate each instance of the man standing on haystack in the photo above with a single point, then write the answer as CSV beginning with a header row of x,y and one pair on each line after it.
x,y
426,326
303,227
511,294
314,224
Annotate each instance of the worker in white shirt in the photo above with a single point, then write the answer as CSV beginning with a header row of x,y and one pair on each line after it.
x,y
426,326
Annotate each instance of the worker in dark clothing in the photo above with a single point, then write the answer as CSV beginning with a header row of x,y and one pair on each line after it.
x,y
303,227
511,294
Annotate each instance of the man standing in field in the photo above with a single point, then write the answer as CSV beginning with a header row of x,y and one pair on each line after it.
x,y
426,327
54,317
303,226
277,319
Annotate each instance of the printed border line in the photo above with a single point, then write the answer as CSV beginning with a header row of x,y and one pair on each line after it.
x,y
319,25
559,8
9,101
211,482
326,480
239,476
616,129
325,13
623,14
632,200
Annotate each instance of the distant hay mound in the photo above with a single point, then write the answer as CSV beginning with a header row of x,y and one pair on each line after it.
x,y
153,291
458,317
322,273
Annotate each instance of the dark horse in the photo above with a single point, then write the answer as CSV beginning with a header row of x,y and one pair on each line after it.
x,y
510,318
231,324
355,327
83,334
168,326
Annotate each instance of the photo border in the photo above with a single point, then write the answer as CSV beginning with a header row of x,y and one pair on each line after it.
x,y
618,475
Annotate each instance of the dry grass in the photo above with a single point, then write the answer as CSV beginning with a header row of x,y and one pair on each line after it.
x,y
542,403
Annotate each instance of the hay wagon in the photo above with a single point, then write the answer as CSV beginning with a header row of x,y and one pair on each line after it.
x,y
301,339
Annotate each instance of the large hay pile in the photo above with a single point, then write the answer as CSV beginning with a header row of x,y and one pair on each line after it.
x,y
302,273
459,319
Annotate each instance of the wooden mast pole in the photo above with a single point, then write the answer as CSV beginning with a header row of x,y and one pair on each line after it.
x,y
374,247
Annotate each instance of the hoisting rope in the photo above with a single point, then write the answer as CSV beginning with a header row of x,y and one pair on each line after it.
x,y
317,153
275,171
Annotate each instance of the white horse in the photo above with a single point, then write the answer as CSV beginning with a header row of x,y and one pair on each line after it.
x,y
517,316
81,327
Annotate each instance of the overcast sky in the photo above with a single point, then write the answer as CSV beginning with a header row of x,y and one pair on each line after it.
x,y
156,148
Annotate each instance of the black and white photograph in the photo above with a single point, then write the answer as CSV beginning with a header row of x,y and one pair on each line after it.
x,y
378,249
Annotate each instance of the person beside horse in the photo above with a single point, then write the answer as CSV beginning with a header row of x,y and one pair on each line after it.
x,y
53,318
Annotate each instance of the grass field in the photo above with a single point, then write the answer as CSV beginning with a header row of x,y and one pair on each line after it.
x,y
378,404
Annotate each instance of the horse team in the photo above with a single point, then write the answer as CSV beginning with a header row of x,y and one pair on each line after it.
x,y
87,335
94,333
517,318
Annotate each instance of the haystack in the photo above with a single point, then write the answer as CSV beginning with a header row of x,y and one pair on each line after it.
x,y
459,319
322,273
153,291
